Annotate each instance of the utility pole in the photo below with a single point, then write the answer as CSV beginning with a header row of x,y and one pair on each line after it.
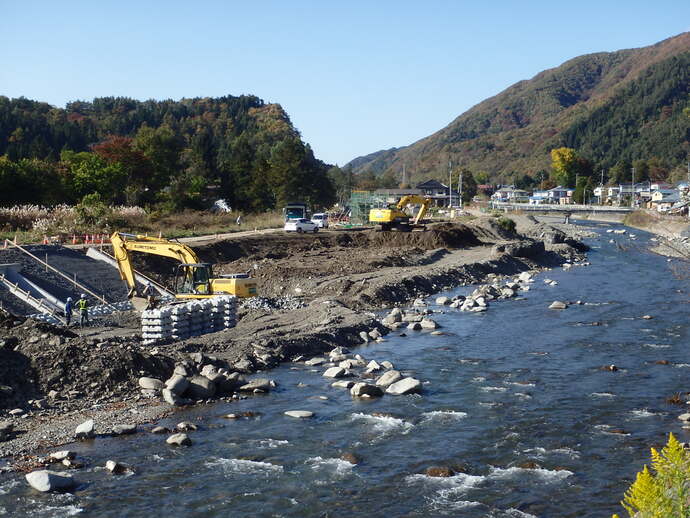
x,y
460,190
450,184
632,189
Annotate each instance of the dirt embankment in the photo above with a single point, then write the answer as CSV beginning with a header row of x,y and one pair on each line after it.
x,y
49,372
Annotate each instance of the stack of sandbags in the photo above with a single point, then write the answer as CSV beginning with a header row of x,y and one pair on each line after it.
x,y
193,318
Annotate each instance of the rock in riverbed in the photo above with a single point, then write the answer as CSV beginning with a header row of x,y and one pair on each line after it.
x,y
404,386
150,383
5,431
299,414
85,430
557,304
388,378
179,439
335,372
439,471
124,429
116,468
262,384
46,480
365,389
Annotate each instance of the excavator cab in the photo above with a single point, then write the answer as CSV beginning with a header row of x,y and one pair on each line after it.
x,y
193,279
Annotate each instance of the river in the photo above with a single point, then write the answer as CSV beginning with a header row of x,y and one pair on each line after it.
x,y
519,385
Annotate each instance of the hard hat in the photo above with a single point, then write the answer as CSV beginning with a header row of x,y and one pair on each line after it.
x,y
83,296
69,299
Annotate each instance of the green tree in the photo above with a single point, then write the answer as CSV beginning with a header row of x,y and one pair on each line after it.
x,y
621,172
88,174
469,186
482,177
162,147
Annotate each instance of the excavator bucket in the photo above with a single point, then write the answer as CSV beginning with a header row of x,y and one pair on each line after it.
x,y
139,303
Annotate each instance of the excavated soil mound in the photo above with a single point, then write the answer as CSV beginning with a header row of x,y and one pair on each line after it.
x,y
36,358
441,235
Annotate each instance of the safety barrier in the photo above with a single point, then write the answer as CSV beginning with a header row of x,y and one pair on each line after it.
x,y
193,318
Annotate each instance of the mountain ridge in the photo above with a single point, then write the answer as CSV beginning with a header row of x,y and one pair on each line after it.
x,y
514,130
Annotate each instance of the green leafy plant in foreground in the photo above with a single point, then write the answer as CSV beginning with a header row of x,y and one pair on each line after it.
x,y
664,491
506,223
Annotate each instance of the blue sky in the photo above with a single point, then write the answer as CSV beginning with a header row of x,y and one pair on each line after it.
x,y
355,77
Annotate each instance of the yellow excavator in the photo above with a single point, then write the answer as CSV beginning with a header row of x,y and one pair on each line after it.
x,y
395,218
193,279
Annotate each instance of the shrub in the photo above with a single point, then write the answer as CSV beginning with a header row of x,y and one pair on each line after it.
x,y
664,493
506,223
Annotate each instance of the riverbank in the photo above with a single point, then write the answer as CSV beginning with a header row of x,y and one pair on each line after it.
x,y
95,374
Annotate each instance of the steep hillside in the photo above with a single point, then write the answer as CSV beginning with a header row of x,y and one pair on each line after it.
x,y
568,105
173,154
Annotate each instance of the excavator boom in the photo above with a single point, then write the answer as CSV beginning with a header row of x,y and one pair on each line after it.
x,y
396,217
197,281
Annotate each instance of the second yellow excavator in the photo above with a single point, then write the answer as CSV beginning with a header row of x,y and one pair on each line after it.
x,y
395,218
193,279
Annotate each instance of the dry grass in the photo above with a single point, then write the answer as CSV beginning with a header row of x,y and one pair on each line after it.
x,y
31,223
639,219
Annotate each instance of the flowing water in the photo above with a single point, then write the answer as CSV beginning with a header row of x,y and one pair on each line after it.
x,y
519,385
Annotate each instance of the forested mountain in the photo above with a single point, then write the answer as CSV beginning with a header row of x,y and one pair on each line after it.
x,y
168,153
609,106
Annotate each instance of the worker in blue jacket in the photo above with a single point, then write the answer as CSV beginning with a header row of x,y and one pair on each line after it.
x,y
68,310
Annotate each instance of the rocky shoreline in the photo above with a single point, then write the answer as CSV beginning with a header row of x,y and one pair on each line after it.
x,y
72,387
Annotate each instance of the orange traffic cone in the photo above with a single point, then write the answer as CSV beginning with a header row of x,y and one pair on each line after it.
x,y
45,240
74,239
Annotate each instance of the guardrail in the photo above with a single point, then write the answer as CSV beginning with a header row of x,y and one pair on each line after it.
x,y
558,208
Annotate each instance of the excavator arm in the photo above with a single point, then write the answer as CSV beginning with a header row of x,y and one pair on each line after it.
x,y
123,244
413,199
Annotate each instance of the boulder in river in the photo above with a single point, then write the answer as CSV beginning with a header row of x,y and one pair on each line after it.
x,y
179,439
439,471
334,372
388,378
299,414
261,384
404,386
364,336
59,456
200,387
442,301
317,360
177,384
85,430
46,481
116,468
170,397
124,429
372,366
427,323
186,426
557,304
346,384
414,326
365,389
